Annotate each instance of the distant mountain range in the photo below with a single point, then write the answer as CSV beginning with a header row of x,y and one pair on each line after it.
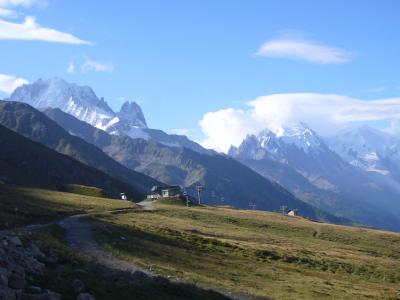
x,y
302,162
368,149
82,103
226,180
352,176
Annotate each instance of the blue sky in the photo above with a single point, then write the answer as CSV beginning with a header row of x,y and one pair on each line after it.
x,y
183,59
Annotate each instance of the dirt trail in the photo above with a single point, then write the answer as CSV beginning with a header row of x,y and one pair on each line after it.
x,y
80,237
147,205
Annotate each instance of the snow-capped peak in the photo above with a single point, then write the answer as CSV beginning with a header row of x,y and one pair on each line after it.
x,y
279,141
79,101
130,121
82,103
366,147
299,135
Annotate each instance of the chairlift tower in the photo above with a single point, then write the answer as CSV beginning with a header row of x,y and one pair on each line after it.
x,y
200,190
252,205
283,209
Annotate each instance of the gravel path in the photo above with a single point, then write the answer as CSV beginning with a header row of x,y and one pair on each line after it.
x,y
80,237
147,205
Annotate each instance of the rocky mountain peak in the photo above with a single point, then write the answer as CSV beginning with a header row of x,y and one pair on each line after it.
x,y
132,113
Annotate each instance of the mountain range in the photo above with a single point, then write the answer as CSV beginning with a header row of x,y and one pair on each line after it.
x,y
226,180
33,124
28,163
82,103
171,159
351,176
299,159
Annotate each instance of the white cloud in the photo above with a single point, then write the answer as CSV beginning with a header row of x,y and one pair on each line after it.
x,y
71,68
30,30
97,66
8,83
323,112
181,131
302,49
24,3
5,12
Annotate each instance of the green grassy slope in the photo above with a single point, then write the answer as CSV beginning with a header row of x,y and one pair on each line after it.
x,y
258,253
84,190
253,253
22,206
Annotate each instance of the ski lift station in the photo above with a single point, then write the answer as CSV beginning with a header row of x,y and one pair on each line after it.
x,y
165,191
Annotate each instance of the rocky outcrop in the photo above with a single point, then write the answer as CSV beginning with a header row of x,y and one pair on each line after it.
x,y
17,261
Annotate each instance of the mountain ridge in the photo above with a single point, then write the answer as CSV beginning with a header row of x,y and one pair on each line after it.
x,y
33,124
306,166
223,177
83,103
28,163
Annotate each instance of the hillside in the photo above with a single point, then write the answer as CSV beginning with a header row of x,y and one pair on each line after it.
x,y
257,253
28,163
227,181
46,260
33,124
244,253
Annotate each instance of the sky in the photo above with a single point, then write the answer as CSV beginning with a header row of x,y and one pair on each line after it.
x,y
215,70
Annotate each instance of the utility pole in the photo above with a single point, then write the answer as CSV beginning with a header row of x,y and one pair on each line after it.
x,y
186,196
200,189
16,217
283,209
252,205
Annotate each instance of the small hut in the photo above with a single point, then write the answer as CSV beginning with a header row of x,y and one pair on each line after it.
x,y
293,212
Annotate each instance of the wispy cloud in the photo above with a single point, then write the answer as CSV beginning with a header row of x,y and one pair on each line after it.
x,y
24,3
323,112
181,131
299,48
71,67
8,83
5,12
7,7
97,66
30,30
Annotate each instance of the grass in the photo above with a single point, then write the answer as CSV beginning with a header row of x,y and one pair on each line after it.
x,y
257,253
20,206
252,253
84,190
101,282
177,200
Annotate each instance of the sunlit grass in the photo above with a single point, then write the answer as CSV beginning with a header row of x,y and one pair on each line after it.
x,y
257,253
21,206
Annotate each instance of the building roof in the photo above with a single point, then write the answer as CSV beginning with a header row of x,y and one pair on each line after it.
x,y
165,187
